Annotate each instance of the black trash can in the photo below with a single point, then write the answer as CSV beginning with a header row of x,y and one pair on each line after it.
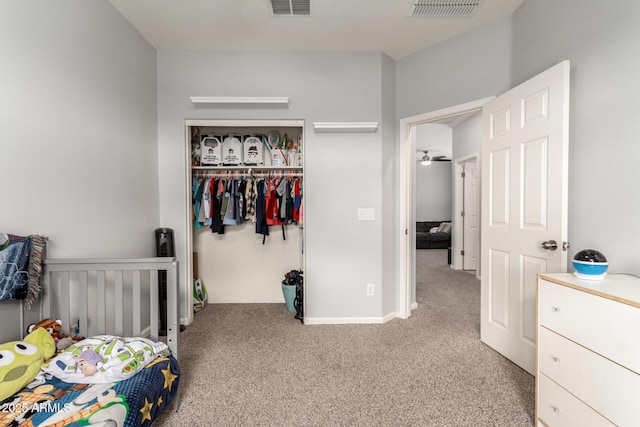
x,y
164,248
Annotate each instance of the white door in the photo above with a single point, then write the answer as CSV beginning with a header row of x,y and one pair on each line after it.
x,y
470,218
524,207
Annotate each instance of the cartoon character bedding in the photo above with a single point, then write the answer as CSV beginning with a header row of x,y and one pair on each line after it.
x,y
104,380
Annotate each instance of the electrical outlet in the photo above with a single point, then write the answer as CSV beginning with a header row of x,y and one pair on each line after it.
x,y
370,289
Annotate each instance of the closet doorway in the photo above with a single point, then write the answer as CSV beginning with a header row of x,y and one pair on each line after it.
x,y
237,264
407,252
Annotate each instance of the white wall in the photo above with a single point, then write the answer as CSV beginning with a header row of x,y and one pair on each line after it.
x,y
601,39
78,131
433,185
434,190
467,137
471,66
342,171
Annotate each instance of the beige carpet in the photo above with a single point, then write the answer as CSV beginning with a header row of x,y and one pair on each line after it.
x,y
255,365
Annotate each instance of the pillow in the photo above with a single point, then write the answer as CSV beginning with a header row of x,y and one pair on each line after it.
x,y
433,230
441,226
103,359
21,361
446,228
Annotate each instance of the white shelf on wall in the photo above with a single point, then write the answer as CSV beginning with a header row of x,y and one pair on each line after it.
x,y
257,100
337,127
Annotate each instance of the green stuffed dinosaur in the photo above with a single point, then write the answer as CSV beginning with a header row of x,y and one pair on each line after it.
x,y
20,360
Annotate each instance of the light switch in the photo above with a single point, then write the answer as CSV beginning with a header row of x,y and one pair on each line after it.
x,y
366,214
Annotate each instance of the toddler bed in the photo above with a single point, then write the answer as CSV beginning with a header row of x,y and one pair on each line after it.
x,y
132,379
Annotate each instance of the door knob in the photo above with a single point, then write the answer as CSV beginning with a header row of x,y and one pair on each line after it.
x,y
551,245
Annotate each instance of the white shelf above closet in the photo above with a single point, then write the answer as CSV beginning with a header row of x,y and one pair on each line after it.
x,y
246,167
256,100
344,127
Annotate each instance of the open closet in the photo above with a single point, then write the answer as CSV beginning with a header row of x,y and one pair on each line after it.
x,y
245,176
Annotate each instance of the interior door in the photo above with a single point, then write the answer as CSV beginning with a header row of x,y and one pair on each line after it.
x,y
524,207
470,218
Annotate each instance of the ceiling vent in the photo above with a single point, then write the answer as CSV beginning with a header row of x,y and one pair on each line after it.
x,y
290,7
444,8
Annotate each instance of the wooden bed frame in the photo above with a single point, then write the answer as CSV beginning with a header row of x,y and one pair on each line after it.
x,y
67,283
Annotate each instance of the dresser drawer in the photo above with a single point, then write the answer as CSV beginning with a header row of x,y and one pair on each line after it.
x,y
557,407
605,326
605,386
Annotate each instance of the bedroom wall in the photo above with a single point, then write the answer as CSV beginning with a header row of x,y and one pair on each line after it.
x,y
433,184
601,39
467,137
466,68
78,131
342,171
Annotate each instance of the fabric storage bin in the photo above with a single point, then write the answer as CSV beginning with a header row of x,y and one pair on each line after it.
x,y
210,150
253,151
231,151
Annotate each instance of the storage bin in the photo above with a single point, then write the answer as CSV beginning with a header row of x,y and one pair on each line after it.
x,y
253,151
231,151
289,292
211,150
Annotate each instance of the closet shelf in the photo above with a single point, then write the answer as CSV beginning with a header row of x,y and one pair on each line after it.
x,y
247,167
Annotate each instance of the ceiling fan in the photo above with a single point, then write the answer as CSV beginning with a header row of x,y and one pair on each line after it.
x,y
427,159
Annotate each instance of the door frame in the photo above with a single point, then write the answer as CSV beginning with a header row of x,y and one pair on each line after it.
x,y
406,234
457,229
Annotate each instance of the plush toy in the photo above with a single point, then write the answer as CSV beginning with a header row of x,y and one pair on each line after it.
x,y
20,361
88,362
54,328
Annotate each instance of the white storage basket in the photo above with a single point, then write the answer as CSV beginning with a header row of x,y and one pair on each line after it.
x,y
253,151
231,151
210,151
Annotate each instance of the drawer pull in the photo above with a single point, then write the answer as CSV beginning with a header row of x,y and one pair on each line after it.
x,y
555,309
555,359
555,409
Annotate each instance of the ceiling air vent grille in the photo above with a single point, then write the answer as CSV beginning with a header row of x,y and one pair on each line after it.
x,y
290,7
444,8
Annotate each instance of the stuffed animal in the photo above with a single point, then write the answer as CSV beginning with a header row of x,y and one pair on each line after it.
x,y
54,328
20,361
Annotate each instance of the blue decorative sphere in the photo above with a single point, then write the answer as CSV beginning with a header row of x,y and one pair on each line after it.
x,y
590,264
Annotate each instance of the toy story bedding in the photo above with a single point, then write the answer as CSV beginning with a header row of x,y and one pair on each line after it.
x,y
102,379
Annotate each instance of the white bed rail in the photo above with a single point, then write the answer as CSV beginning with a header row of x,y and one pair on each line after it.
x,y
114,284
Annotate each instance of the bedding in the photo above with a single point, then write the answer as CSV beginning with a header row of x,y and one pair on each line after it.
x,y
137,401
102,359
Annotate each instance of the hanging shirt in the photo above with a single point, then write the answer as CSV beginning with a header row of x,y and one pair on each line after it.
x,y
297,200
272,209
250,196
216,217
261,218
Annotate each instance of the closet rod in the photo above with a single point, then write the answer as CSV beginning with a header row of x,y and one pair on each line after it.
x,y
237,173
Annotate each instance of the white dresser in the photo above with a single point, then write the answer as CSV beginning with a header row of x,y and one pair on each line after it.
x,y
588,351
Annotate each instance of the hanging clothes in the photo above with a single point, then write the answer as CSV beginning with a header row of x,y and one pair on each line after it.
x,y
297,200
198,200
261,216
231,201
250,195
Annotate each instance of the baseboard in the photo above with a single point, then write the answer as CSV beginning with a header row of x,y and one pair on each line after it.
x,y
414,306
348,320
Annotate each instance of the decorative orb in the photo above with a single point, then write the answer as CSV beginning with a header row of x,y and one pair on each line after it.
x,y
590,264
